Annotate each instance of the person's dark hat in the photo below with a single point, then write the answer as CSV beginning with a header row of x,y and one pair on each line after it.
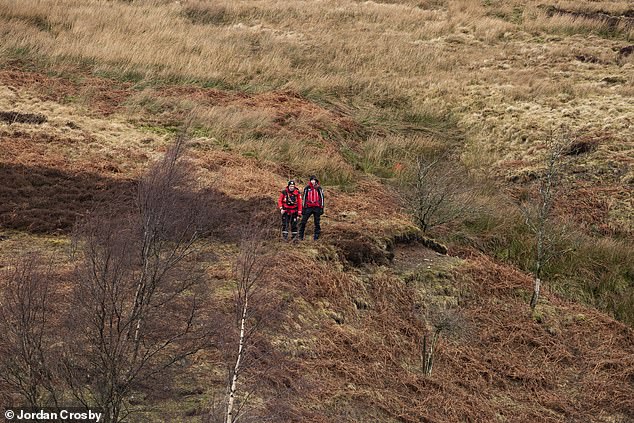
x,y
291,182
313,177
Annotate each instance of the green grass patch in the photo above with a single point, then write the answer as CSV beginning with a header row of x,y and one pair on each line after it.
x,y
26,57
124,75
596,270
160,129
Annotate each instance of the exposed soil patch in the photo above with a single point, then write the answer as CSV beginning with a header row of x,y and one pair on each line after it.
x,y
611,20
626,51
358,249
582,146
417,238
414,256
17,117
587,58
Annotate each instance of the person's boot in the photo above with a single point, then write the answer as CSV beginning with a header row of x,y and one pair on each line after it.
x,y
285,236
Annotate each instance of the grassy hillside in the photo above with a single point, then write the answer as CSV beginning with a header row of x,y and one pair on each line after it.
x,y
93,93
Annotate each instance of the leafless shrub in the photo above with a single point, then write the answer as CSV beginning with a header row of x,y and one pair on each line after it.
x,y
439,321
437,191
136,309
25,322
537,210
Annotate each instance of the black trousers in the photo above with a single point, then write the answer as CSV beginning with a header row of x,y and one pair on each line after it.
x,y
289,219
306,214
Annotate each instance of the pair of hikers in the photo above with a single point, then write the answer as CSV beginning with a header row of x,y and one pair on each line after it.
x,y
294,206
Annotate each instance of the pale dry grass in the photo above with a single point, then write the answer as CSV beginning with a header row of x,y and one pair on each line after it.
x,y
427,52
301,160
505,71
324,46
73,138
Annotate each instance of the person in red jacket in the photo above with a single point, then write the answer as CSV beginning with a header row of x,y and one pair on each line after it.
x,y
313,200
290,205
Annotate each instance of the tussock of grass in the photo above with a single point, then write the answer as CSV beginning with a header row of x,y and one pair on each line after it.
x,y
389,156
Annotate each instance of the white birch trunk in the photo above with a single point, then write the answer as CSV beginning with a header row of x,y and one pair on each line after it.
x,y
236,369
536,288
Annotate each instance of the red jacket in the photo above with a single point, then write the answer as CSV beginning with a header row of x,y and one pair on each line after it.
x,y
313,196
286,197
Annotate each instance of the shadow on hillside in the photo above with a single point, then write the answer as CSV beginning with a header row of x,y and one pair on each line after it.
x,y
47,200
42,199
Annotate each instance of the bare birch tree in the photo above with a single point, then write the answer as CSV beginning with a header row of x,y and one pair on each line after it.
x,y
249,273
537,211
136,293
26,358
